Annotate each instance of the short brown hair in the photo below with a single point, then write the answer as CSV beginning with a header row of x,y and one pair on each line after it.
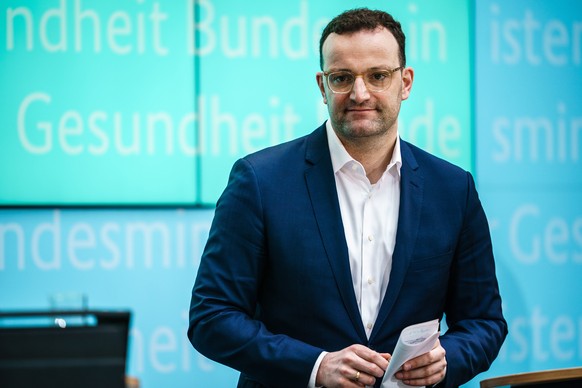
x,y
364,19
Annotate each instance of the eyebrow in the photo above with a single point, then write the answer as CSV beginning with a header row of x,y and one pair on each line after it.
x,y
332,70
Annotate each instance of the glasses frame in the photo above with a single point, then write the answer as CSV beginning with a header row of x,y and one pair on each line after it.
x,y
390,72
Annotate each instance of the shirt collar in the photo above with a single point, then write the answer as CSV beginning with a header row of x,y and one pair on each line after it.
x,y
340,157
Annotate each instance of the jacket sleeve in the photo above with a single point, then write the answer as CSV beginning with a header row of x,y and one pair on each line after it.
x,y
225,297
476,327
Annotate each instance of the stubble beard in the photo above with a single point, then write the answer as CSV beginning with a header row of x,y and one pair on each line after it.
x,y
365,130
352,130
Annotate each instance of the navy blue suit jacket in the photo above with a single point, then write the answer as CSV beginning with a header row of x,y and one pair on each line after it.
x,y
274,287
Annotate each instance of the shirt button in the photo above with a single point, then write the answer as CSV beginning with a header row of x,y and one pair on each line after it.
x,y
370,281
371,237
369,326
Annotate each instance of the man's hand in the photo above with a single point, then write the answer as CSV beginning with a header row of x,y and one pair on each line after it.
x,y
427,369
354,366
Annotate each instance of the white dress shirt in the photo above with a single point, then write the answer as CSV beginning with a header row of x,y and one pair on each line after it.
x,y
370,218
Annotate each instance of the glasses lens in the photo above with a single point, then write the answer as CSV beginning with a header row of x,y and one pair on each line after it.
x,y
340,81
378,80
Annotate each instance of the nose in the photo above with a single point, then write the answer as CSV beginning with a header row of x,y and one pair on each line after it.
x,y
360,91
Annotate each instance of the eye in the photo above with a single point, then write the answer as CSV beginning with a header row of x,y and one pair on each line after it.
x,y
379,75
341,78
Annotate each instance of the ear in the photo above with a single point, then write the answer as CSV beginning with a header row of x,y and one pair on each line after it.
x,y
407,79
320,84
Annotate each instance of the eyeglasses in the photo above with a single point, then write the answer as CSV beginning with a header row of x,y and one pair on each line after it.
x,y
342,81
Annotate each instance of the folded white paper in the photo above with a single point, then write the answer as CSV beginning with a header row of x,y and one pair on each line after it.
x,y
413,341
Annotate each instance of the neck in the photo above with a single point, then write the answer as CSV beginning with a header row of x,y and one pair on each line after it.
x,y
374,153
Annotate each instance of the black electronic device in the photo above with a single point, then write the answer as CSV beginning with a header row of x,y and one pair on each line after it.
x,y
64,349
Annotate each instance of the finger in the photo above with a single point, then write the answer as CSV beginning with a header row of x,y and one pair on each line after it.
x,y
362,379
427,375
429,380
368,361
420,373
369,368
387,357
372,357
435,355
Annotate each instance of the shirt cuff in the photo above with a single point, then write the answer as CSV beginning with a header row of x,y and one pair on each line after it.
x,y
313,376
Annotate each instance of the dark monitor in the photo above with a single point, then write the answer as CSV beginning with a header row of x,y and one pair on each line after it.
x,y
64,349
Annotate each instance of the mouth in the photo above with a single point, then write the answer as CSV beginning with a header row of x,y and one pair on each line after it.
x,y
360,110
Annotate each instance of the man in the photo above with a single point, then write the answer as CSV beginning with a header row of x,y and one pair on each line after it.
x,y
324,248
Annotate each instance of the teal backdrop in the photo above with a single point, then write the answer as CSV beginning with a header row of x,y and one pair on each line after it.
x,y
528,107
120,120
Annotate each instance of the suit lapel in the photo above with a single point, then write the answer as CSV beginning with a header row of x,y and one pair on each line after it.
x,y
411,197
323,194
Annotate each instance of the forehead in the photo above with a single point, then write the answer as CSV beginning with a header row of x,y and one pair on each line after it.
x,y
361,49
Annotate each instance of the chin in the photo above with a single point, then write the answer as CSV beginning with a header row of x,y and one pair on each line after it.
x,y
364,128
